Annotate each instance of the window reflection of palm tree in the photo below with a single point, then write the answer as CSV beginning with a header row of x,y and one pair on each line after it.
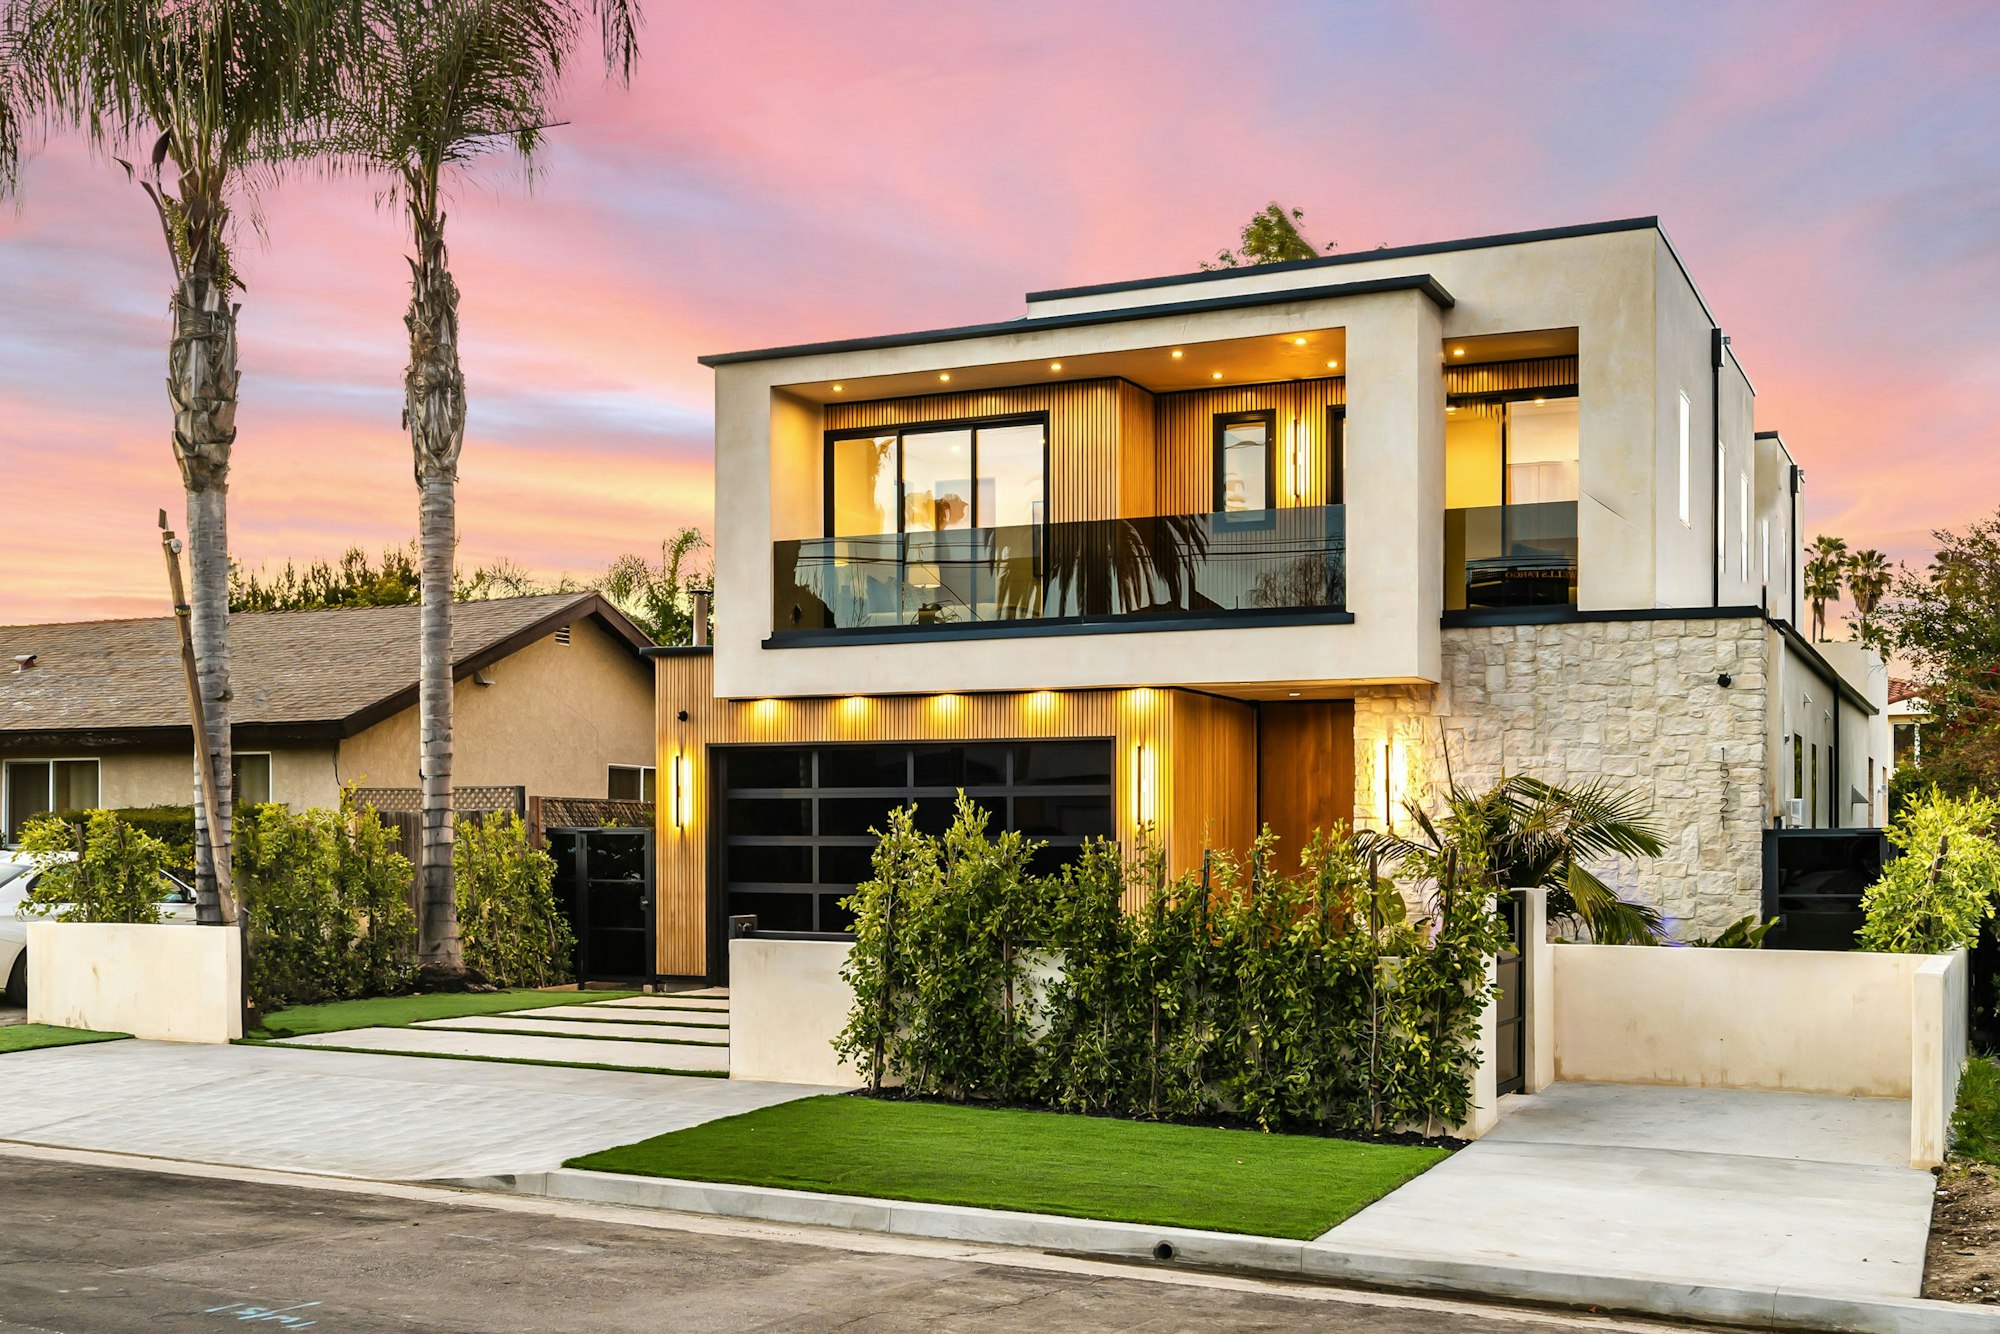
x,y
1108,566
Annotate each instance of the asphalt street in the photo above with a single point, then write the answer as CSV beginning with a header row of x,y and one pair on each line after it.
x,y
93,1249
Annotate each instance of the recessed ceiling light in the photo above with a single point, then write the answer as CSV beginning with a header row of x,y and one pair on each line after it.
x,y
1293,693
944,375
1451,409
1178,354
1333,365
1055,365
1540,401
1298,342
1215,375
1458,352
838,388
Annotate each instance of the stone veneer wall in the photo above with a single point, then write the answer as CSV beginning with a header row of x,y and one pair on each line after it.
x,y
1633,701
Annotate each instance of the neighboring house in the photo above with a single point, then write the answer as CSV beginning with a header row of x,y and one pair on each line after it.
x,y
1281,545
1909,713
553,695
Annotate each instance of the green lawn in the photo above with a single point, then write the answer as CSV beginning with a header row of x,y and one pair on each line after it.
x,y
1038,1162
402,1011
1975,1126
29,1037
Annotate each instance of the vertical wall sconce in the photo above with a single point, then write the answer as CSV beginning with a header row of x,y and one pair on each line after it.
x,y
1392,789
1142,785
680,791
1298,477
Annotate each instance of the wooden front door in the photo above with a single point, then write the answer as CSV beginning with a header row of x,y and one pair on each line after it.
x,y
1305,771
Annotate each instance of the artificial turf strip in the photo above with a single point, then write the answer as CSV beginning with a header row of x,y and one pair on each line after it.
x,y
1975,1126
402,1011
526,1032
1039,1162
32,1037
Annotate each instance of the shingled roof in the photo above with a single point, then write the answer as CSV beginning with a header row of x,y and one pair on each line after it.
x,y
293,674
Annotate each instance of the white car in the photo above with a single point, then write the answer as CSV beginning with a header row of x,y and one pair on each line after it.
x,y
17,876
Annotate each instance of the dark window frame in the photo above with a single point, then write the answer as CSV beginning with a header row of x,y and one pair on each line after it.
x,y
1336,454
973,424
1268,418
1513,396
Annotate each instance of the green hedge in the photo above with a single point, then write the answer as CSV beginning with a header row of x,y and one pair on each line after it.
x,y
115,875
1233,993
508,924
172,825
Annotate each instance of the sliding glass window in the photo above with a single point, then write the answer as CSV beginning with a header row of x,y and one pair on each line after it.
x,y
1511,483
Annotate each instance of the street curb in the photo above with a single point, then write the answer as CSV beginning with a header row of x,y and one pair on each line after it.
x,y
1756,1308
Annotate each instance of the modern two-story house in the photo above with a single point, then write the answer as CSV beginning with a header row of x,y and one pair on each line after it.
x,y
1268,546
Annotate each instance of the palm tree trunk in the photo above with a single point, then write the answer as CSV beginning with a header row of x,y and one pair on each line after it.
x,y
201,383
434,412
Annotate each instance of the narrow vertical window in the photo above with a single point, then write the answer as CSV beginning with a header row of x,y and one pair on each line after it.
x,y
1243,462
1743,525
1684,460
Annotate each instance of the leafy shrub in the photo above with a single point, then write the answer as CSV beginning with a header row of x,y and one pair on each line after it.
x,y
1745,933
172,825
509,927
106,870
328,898
1233,992
1975,1122
1935,896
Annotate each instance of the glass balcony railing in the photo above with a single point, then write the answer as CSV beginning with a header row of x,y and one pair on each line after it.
x,y
1169,565
1510,556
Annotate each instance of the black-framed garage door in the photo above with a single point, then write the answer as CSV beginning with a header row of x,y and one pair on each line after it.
x,y
792,835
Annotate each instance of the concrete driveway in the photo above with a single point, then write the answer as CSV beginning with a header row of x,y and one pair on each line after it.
x,y
1708,1187
386,1118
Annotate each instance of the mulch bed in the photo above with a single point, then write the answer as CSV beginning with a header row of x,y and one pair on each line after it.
x,y
1963,1263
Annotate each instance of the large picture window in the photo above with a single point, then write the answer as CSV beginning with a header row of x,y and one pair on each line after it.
x,y
938,477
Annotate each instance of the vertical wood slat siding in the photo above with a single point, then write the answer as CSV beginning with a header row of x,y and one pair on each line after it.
x,y
1184,449
1137,468
1198,764
1500,376
1085,418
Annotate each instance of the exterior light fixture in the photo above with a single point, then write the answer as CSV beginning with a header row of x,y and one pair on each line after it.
x,y
1298,342
1293,693
1215,375
839,388
1178,354
1142,786
1540,401
1458,352
1388,784
680,791
1449,408
1055,365
944,376
1333,365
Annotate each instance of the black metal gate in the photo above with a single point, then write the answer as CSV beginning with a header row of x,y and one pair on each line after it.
x,y
1511,1050
604,886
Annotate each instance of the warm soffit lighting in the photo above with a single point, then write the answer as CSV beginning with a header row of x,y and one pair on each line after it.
x,y
944,376
838,388
1298,342
1333,365
1178,354
1215,375
1450,409
1540,401
1293,693
1055,365
1458,352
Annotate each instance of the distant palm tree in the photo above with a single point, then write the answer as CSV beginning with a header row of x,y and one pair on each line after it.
x,y
1532,834
211,94
1869,576
657,597
436,87
1826,574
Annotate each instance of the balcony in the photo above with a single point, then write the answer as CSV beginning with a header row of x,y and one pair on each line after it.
x,y
1510,556
1269,562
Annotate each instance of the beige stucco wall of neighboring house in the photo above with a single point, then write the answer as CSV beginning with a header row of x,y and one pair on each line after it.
x,y
554,720
1633,701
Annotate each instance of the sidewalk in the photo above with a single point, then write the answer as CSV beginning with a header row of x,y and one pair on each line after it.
x,y
380,1117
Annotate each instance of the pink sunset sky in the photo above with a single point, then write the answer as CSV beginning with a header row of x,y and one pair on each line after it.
x,y
783,173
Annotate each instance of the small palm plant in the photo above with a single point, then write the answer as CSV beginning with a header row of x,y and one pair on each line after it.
x,y
1535,834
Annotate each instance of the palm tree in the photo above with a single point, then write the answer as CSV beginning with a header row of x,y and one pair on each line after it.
x,y
438,86
1532,834
658,597
212,93
1826,573
1868,579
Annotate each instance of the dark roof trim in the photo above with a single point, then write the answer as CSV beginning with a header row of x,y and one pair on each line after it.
x,y
1479,616
1418,282
1816,662
677,651
1767,435
1357,257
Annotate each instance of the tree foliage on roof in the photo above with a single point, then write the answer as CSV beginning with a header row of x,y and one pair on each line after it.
x,y
1272,236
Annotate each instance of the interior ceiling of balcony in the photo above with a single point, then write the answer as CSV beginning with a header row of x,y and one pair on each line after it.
x,y
1300,355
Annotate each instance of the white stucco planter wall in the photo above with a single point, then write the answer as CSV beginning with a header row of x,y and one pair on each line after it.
x,y
787,1003
173,982
1853,1024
